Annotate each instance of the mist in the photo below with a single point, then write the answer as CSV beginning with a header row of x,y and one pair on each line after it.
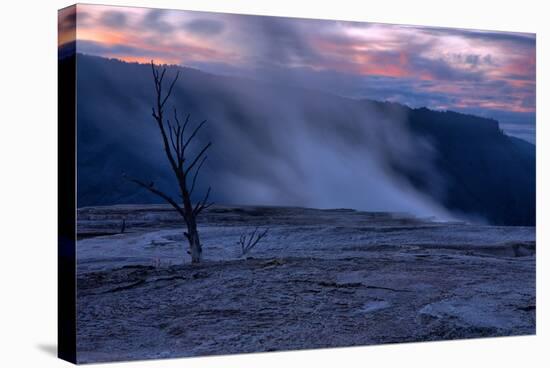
x,y
339,159
287,145
272,144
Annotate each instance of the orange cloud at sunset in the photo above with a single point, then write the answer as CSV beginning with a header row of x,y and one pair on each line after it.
x,y
469,70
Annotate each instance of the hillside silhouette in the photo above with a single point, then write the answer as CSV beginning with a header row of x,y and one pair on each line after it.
x,y
289,145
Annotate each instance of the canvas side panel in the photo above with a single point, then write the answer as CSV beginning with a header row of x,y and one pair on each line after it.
x,y
66,328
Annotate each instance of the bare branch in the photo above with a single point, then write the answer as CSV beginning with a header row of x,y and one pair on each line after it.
x,y
162,75
196,174
179,133
170,88
190,167
158,115
203,204
151,187
155,76
180,136
172,131
193,134
248,242
177,120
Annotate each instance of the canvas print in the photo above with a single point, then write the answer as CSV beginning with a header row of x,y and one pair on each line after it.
x,y
236,183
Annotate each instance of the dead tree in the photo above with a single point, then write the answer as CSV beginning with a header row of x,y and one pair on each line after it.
x,y
247,242
185,166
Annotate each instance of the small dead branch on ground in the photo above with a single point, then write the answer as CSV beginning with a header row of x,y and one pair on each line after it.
x,y
248,241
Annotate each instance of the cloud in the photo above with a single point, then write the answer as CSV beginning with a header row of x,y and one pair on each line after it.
x,y
67,18
98,48
113,18
526,39
473,60
447,89
278,41
440,68
205,27
154,20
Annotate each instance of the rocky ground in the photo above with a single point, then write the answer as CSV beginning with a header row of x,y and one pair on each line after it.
x,y
321,278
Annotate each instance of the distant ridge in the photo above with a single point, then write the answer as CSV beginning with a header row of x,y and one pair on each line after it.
x,y
463,162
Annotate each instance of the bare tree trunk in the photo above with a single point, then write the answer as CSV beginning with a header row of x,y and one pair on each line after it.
x,y
186,167
195,248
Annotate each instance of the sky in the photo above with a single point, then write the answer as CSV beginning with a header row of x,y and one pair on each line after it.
x,y
486,73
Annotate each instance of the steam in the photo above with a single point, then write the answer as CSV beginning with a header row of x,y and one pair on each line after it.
x,y
272,144
342,163
315,149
